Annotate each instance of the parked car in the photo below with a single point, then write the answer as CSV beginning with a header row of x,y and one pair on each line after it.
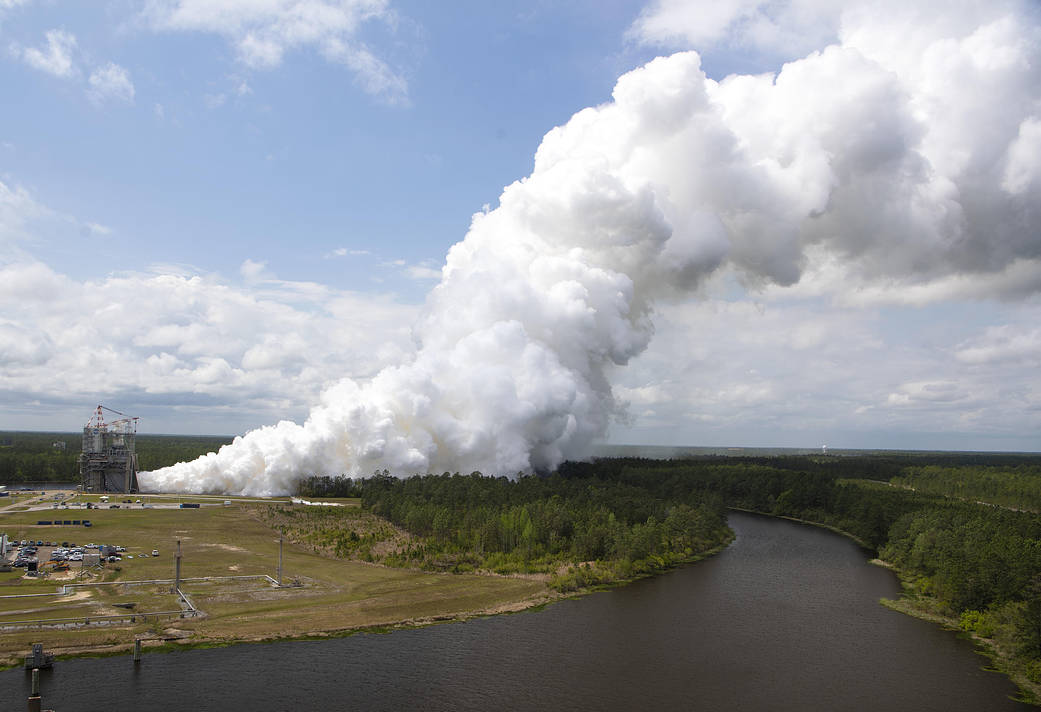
x,y
155,552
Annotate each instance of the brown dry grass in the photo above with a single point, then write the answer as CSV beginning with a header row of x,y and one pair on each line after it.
x,y
335,595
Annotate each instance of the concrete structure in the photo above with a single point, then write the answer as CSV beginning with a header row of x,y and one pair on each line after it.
x,y
108,462
39,659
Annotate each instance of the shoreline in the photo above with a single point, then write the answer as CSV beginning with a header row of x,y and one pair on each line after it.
x,y
546,597
1002,660
175,643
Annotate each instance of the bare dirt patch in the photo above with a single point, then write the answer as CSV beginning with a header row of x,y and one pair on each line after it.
x,y
225,547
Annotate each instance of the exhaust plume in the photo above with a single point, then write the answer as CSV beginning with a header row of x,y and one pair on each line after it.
x,y
906,154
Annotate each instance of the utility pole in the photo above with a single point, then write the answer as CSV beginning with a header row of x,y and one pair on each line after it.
x,y
280,537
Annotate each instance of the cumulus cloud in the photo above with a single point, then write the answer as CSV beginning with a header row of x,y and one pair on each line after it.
x,y
262,33
1023,163
106,82
171,335
884,153
110,82
55,57
794,370
253,271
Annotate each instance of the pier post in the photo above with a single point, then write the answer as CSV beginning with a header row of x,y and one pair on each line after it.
x,y
137,651
34,696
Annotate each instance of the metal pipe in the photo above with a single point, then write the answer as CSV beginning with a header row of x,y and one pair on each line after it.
x,y
177,575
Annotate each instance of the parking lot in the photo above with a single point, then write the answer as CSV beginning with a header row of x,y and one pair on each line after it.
x,y
46,558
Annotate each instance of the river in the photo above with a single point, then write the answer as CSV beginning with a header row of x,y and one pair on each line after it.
x,y
787,618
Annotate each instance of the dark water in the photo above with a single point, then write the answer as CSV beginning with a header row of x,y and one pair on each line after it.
x,y
786,619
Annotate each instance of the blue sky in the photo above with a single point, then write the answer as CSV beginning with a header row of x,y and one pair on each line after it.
x,y
215,161
212,211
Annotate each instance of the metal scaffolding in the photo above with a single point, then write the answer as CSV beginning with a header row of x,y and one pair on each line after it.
x,y
108,462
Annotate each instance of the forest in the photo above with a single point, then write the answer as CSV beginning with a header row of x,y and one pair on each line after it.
x,y
579,531
54,457
962,529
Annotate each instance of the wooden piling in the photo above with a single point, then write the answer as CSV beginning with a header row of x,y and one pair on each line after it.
x,y
34,701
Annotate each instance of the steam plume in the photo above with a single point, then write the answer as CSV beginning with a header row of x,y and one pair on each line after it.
x,y
906,154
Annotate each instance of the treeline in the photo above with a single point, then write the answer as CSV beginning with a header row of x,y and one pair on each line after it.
x,y
579,531
1017,486
155,451
979,564
33,457
816,489
955,526
54,457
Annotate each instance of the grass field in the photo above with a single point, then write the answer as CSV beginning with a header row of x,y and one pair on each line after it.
x,y
332,596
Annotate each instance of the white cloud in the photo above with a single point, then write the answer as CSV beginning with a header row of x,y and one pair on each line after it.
x,y
790,28
422,272
55,58
1005,344
926,393
738,373
1023,168
110,82
24,222
97,229
17,210
263,32
253,271
175,338
345,252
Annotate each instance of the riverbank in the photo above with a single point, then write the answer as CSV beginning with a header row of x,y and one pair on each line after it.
x,y
831,528
1002,656
334,597
174,639
926,608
